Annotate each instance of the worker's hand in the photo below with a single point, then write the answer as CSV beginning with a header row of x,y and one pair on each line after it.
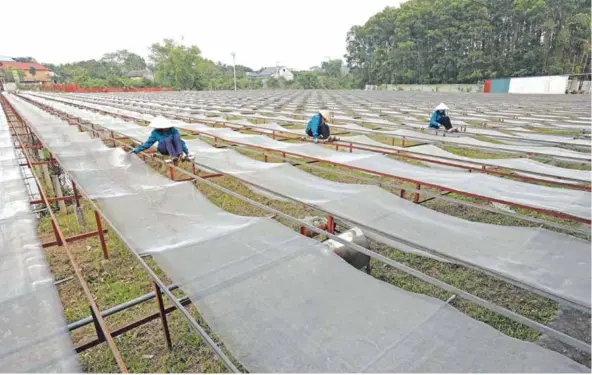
x,y
189,156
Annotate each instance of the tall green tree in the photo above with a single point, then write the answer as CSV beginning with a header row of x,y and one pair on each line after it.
x,y
463,41
126,61
178,66
307,80
332,68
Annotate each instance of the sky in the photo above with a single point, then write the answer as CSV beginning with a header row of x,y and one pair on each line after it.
x,y
297,34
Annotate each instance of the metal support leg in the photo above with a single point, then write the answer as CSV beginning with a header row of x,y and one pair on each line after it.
x,y
56,232
163,317
330,224
101,235
98,330
416,197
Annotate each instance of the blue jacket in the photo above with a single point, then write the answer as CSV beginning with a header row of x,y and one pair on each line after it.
x,y
313,125
159,136
436,115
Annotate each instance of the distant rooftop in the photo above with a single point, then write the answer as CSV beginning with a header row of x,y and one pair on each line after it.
x,y
22,65
266,72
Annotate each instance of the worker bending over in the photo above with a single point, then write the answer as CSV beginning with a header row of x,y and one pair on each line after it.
x,y
168,138
317,126
439,117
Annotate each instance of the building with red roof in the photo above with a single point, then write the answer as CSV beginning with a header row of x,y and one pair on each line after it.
x,y
34,72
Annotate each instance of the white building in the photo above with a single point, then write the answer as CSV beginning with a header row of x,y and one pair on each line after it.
x,y
275,72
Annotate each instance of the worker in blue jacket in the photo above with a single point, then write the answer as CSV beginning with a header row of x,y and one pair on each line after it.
x,y
439,118
168,138
317,126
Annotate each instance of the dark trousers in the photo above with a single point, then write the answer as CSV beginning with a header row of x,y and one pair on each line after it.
x,y
324,131
445,122
171,146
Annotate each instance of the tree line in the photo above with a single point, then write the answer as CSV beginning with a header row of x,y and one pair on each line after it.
x,y
183,67
466,41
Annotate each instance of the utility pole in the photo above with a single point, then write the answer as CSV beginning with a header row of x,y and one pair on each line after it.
x,y
234,68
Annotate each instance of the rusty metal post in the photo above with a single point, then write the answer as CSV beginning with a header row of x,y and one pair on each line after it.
x,y
402,194
172,172
55,231
416,197
78,209
330,224
101,235
163,317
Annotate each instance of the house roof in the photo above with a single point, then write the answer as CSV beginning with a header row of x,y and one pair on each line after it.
x,y
22,65
266,72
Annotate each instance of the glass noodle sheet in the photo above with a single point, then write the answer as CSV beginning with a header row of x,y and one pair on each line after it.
x,y
33,332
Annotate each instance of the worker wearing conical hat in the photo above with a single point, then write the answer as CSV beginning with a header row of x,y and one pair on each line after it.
x,y
440,118
317,126
168,138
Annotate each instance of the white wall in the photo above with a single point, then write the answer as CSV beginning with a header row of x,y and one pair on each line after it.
x,y
435,87
539,85
287,74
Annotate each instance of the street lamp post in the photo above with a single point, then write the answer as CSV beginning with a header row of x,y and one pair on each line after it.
x,y
234,69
